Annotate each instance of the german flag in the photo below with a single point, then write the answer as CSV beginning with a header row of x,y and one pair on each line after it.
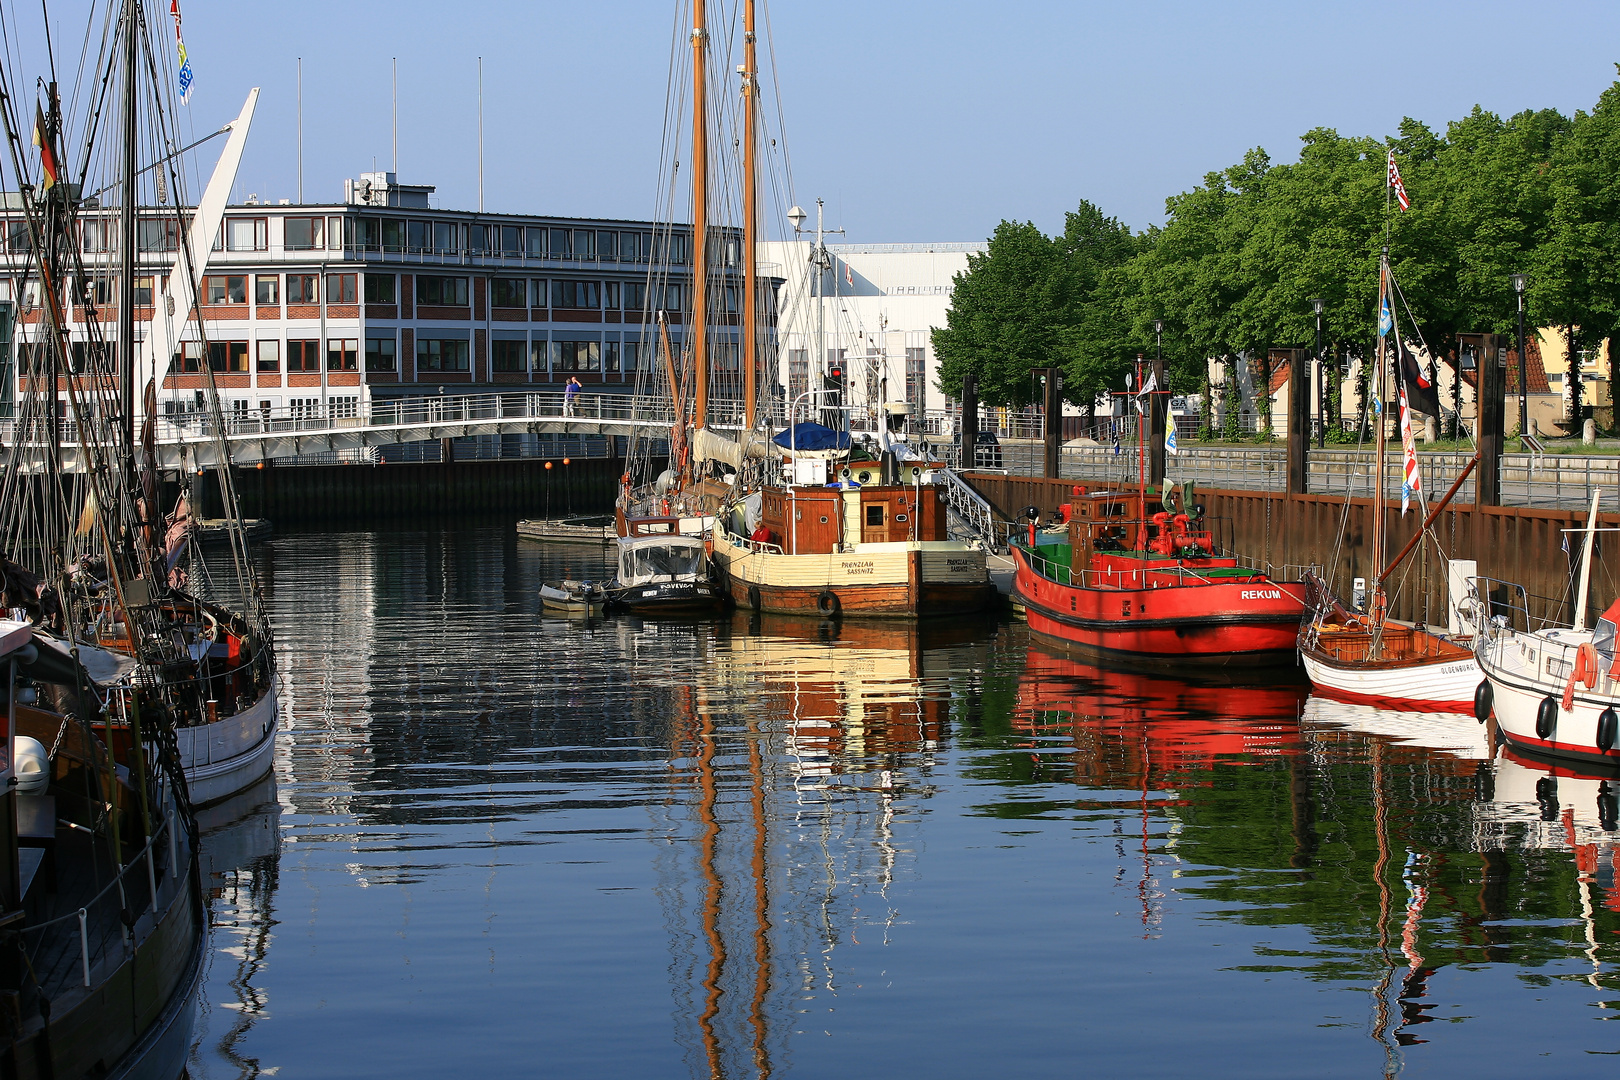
x,y
47,151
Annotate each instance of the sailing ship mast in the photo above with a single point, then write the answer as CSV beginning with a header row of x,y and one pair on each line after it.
x,y
124,358
750,314
700,217
1379,511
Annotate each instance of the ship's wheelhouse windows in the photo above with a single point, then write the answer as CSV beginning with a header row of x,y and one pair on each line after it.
x,y
380,354
445,291
303,233
267,289
379,288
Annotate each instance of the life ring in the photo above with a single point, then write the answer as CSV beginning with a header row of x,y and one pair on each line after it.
x,y
753,598
1608,727
827,603
1547,717
1483,700
1587,665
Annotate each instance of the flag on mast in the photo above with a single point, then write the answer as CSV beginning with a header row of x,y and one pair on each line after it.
x,y
185,63
47,149
1395,182
1411,479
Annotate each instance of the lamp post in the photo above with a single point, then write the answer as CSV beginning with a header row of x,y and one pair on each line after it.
x,y
1519,281
1317,304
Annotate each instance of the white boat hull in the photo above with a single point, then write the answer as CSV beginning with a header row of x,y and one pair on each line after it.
x,y
230,754
1526,669
1443,686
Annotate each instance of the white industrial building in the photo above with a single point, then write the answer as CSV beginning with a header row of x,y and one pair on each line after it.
x,y
873,311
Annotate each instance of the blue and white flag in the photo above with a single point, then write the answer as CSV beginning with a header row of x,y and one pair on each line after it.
x,y
1170,441
1385,319
185,62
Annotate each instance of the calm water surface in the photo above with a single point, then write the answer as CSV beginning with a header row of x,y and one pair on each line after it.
x,y
498,844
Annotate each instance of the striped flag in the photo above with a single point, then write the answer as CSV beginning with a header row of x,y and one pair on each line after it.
x,y
1411,479
47,148
1395,182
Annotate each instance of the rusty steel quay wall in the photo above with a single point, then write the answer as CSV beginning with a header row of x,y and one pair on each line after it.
x,y
1510,543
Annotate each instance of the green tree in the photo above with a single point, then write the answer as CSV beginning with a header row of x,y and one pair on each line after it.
x,y
1006,316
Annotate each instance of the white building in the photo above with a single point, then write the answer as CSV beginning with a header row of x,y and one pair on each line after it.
x,y
880,304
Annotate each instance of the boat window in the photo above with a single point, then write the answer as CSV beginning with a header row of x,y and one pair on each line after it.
x,y
1603,640
655,562
874,515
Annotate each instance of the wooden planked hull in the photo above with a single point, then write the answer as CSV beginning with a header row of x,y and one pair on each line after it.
x,y
1414,670
230,754
1248,621
924,578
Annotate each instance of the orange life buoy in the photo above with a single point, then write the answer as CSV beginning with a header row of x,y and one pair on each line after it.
x,y
1587,665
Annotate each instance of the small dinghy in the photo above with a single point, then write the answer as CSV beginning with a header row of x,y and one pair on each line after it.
x,y
572,597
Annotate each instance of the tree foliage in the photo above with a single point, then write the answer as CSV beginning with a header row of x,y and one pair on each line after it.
x,y
1240,256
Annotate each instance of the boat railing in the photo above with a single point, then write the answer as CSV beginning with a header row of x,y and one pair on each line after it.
x,y
1047,568
102,930
1508,605
974,510
759,547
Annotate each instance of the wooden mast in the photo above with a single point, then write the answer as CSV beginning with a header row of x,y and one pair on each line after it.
x,y
1377,599
700,217
750,313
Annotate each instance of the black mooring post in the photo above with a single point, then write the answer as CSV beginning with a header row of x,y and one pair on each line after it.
x,y
1299,425
970,421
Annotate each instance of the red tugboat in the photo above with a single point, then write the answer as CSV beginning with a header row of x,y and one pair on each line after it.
x,y
1151,587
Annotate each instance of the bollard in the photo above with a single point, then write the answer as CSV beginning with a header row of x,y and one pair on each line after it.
x,y
1589,433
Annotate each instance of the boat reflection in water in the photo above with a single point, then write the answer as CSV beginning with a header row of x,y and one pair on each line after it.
x,y
240,856
795,850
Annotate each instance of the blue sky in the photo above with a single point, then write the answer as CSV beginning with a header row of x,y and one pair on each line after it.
x,y
914,120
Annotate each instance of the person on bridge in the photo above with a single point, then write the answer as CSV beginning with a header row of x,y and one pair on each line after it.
x,y
570,394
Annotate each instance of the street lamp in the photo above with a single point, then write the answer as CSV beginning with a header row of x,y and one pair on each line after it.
x,y
1321,377
1519,281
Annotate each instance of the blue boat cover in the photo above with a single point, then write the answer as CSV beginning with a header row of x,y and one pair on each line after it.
x,y
811,436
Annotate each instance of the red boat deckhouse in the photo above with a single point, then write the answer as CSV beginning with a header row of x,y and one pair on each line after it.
x,y
1128,583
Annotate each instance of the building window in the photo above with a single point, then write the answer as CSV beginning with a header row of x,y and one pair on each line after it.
x,y
17,236
798,373
340,288
97,234
304,233
379,288
301,289
228,356
441,354
536,242
393,236
418,235
247,234
367,233
562,244
267,289
916,359
268,356
444,291
230,289
585,243
189,358
509,355
607,245
610,294
143,290
511,240
342,354
576,356
478,238
576,294
380,354
610,356
510,292
672,298
303,356
444,236
631,355
635,293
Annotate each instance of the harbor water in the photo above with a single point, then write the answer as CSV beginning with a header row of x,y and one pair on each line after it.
x,y
501,844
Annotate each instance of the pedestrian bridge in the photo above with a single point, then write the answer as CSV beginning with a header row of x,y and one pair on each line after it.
x,y
197,440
